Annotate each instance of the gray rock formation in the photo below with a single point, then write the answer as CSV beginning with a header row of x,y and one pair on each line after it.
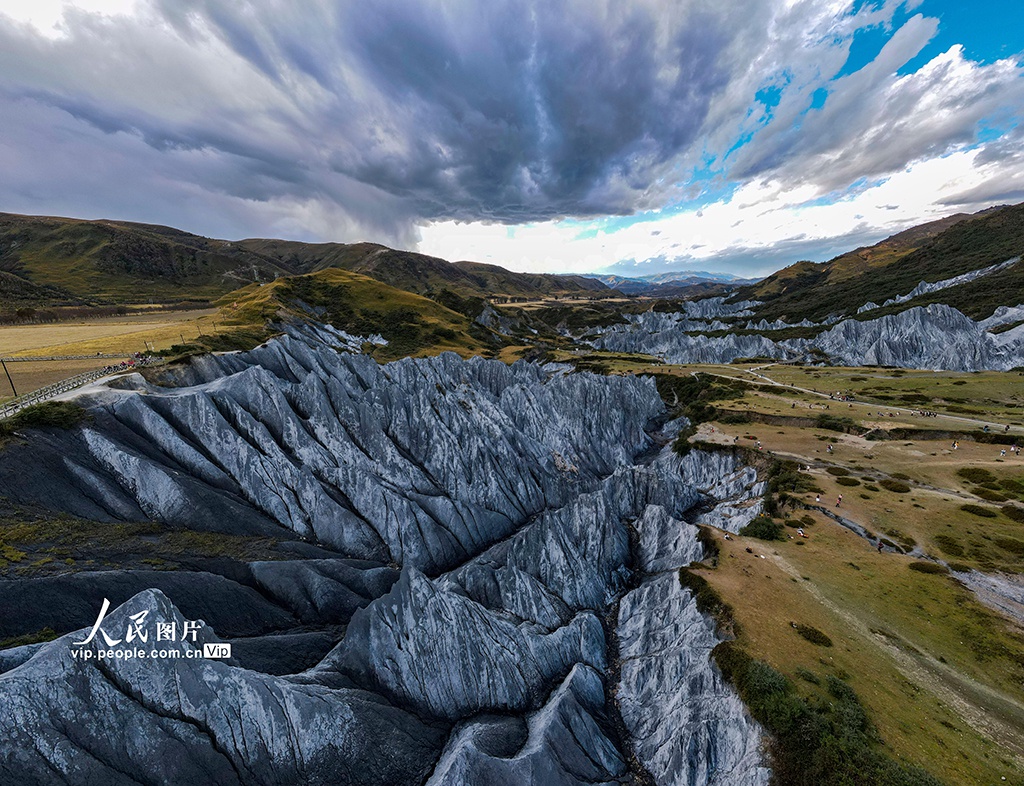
x,y
487,520
545,746
925,287
930,337
192,720
700,732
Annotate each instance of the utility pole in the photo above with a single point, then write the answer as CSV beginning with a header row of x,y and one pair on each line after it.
x,y
8,373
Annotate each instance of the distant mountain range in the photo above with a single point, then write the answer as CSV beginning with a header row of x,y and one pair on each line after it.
x,y
676,283
46,261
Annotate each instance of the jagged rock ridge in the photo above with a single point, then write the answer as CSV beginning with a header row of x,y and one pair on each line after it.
x,y
504,499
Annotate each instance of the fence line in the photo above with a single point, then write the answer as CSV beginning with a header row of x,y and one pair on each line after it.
x,y
67,357
51,391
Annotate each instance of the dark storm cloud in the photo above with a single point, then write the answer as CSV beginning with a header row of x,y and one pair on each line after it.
x,y
338,119
505,111
526,112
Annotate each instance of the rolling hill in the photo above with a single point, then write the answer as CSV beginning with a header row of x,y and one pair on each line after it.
x,y
47,260
421,273
931,252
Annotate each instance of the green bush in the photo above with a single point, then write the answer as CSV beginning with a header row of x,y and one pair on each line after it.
x,y
815,742
848,481
976,475
928,567
977,510
49,414
1012,545
763,528
707,598
834,423
949,545
839,472
42,635
1012,486
896,486
990,496
1013,513
813,635
682,445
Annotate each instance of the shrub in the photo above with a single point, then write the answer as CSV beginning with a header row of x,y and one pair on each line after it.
x,y
839,472
763,528
871,487
978,510
682,444
928,567
900,476
833,423
848,481
1012,486
949,545
49,414
813,635
896,486
1013,513
1012,545
44,634
807,675
706,597
976,475
820,742
988,494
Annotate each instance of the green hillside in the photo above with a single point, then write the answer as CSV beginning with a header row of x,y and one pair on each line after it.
x,y
420,273
107,261
895,266
49,261
357,304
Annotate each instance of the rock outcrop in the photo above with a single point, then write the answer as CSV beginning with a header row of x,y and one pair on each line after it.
x,y
930,337
469,536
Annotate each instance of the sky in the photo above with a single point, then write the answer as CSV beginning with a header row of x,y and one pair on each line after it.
x,y
623,136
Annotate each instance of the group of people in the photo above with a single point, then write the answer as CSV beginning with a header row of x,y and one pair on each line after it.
x,y
136,360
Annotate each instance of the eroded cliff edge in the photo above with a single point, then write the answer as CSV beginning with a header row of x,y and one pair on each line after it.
x,y
485,559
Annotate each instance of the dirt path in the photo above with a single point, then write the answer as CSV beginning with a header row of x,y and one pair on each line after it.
x,y
989,711
888,407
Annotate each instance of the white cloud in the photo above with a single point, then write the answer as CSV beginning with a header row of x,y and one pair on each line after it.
x,y
47,16
761,217
349,121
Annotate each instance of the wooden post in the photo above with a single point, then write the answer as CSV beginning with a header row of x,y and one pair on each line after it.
x,y
8,373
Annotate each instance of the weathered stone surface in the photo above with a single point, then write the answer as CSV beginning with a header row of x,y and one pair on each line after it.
x,y
69,602
930,337
686,725
447,656
192,720
488,519
560,744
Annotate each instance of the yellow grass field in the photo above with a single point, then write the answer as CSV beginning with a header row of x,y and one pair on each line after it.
x,y
127,334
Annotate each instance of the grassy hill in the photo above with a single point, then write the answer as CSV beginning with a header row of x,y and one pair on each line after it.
x,y
420,273
46,260
930,252
357,304
110,261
